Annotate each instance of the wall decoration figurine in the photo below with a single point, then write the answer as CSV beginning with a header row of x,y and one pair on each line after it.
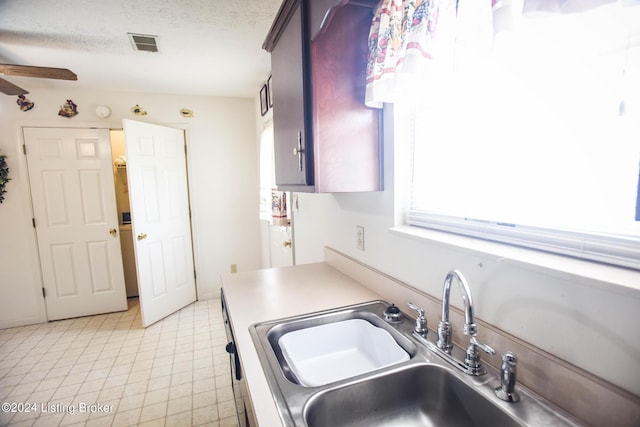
x,y
138,110
4,176
68,110
24,103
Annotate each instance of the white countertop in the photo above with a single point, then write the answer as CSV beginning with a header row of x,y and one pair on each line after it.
x,y
263,295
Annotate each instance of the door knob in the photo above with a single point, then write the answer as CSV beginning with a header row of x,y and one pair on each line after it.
x,y
287,243
113,232
142,236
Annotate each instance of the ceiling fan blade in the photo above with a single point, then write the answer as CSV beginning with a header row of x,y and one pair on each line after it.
x,y
9,88
41,72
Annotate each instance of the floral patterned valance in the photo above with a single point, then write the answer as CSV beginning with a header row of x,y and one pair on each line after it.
x,y
400,44
412,42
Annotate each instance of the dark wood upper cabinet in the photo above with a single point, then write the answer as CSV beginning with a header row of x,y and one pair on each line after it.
x,y
326,139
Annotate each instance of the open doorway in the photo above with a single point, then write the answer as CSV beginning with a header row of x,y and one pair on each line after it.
x,y
276,219
152,195
123,204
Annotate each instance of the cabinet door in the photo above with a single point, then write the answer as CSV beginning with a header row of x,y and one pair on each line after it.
x,y
346,134
293,153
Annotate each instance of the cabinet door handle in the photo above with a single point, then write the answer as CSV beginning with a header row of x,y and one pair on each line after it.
x,y
297,151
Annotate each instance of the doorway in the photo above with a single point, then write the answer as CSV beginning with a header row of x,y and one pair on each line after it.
x,y
123,206
71,175
276,215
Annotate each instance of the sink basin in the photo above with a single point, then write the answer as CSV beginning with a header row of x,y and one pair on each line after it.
x,y
423,395
322,348
327,353
424,390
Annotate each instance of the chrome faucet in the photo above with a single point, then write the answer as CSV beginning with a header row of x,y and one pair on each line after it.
x,y
444,327
472,363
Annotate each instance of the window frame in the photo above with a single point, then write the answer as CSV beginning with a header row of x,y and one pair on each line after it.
x,y
616,250
622,251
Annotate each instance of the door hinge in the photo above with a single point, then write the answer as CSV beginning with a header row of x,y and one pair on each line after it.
x,y
44,293
24,149
33,221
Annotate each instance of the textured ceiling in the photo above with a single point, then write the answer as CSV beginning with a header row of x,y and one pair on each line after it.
x,y
206,47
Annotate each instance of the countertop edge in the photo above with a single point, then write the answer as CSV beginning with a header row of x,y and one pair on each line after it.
x,y
264,295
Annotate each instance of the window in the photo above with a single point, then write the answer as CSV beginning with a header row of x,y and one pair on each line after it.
x,y
267,172
537,144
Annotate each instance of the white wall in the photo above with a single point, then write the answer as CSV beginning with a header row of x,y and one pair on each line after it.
x,y
223,178
591,323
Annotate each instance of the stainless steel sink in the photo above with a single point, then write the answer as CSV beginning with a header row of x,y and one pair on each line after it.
x,y
422,395
425,390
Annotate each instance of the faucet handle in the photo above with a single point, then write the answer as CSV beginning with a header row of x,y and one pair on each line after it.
x,y
412,306
472,357
421,320
484,347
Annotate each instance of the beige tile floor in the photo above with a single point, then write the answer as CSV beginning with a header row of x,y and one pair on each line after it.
x,y
174,373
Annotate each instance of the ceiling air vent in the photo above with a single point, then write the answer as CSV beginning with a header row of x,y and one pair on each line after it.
x,y
144,42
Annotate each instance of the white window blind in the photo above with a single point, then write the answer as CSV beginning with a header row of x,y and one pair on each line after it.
x,y
538,144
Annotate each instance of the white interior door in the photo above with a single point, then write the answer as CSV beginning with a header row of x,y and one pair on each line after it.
x,y
158,192
281,246
72,190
